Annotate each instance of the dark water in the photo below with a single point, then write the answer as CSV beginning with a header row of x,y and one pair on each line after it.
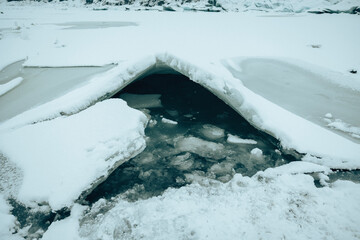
x,y
167,163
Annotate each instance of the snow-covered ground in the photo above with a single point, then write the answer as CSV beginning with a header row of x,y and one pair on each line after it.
x,y
292,76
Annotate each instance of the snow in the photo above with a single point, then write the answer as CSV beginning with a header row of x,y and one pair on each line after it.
x,y
237,140
6,87
296,168
82,148
142,100
39,145
168,121
66,229
328,115
7,221
262,6
262,207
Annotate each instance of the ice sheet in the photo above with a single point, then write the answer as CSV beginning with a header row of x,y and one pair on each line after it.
x,y
83,149
300,91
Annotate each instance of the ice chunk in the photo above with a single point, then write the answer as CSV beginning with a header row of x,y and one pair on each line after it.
x,y
63,157
257,153
142,100
200,147
212,132
4,88
328,115
182,162
238,140
223,168
152,123
168,121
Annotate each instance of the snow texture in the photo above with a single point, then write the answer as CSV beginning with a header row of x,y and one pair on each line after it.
x,y
7,221
82,148
262,207
6,87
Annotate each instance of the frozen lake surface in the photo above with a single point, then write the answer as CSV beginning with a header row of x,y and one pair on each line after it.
x,y
300,91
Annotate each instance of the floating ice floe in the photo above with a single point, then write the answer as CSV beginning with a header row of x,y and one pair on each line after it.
x,y
200,147
257,153
237,140
62,158
168,121
142,100
212,132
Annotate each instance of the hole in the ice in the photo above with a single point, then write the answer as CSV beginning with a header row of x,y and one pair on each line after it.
x,y
191,134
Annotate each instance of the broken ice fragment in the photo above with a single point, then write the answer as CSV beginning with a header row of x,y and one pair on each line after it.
x,y
238,140
257,153
212,132
142,100
200,147
168,121
328,115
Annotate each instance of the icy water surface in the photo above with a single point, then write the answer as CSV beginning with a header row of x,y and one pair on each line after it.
x,y
188,137
40,85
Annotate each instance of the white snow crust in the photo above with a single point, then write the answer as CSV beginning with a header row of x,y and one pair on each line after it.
x,y
63,157
265,206
7,221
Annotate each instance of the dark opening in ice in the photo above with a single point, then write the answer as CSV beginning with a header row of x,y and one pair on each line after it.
x,y
191,134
